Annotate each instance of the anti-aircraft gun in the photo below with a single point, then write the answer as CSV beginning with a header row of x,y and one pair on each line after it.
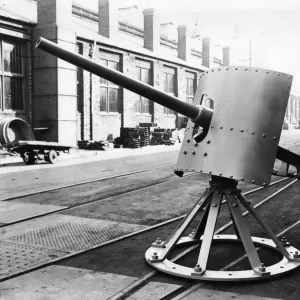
x,y
235,141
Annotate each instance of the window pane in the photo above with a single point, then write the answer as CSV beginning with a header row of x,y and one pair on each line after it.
x,y
138,104
171,83
103,62
165,82
145,106
103,99
138,73
145,76
103,81
192,89
145,102
7,93
113,65
186,86
16,92
7,51
113,100
12,58
19,60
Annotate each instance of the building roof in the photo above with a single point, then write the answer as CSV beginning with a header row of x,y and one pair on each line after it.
x,y
127,45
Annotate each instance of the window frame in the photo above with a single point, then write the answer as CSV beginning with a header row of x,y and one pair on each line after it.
x,y
5,74
169,71
189,76
143,65
108,85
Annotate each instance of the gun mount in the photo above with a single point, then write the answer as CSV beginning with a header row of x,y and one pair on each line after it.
x,y
238,141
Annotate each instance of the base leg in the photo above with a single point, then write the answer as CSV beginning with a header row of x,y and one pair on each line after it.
x,y
243,232
245,203
201,225
167,246
208,233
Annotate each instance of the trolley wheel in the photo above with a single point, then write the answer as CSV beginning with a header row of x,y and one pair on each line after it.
x,y
28,157
51,157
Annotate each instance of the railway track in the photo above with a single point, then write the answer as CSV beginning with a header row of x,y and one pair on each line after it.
x,y
41,191
145,230
77,206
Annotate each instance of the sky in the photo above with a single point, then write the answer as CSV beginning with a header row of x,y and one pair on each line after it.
x,y
272,26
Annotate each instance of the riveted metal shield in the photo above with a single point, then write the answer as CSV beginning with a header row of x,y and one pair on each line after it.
x,y
249,107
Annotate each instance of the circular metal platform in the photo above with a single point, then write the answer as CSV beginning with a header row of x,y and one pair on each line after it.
x,y
172,268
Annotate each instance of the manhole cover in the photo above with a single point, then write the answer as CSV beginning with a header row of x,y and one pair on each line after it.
x,y
74,236
16,258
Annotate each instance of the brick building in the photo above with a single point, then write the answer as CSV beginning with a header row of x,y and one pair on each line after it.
x,y
16,76
292,114
67,104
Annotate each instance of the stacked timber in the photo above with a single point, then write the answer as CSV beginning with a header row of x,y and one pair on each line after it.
x,y
161,136
83,144
167,137
95,145
101,145
135,137
144,136
130,137
157,136
148,125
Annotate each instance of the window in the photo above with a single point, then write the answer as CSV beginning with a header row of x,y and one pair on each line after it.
x,y
169,85
190,87
143,104
11,75
109,92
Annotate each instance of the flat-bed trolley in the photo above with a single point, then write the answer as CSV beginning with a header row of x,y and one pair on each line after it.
x,y
31,151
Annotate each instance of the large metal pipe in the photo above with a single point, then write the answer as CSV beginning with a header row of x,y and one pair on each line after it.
x,y
187,109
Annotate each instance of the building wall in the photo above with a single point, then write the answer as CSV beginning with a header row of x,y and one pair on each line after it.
x,y
97,125
50,103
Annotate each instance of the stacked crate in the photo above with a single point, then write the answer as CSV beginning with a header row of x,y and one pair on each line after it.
x,y
95,145
101,145
135,137
83,144
157,136
144,136
130,137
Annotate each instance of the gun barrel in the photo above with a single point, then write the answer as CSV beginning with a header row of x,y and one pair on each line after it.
x,y
187,109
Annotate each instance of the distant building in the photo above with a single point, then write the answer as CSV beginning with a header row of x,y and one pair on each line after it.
x,y
292,114
67,104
